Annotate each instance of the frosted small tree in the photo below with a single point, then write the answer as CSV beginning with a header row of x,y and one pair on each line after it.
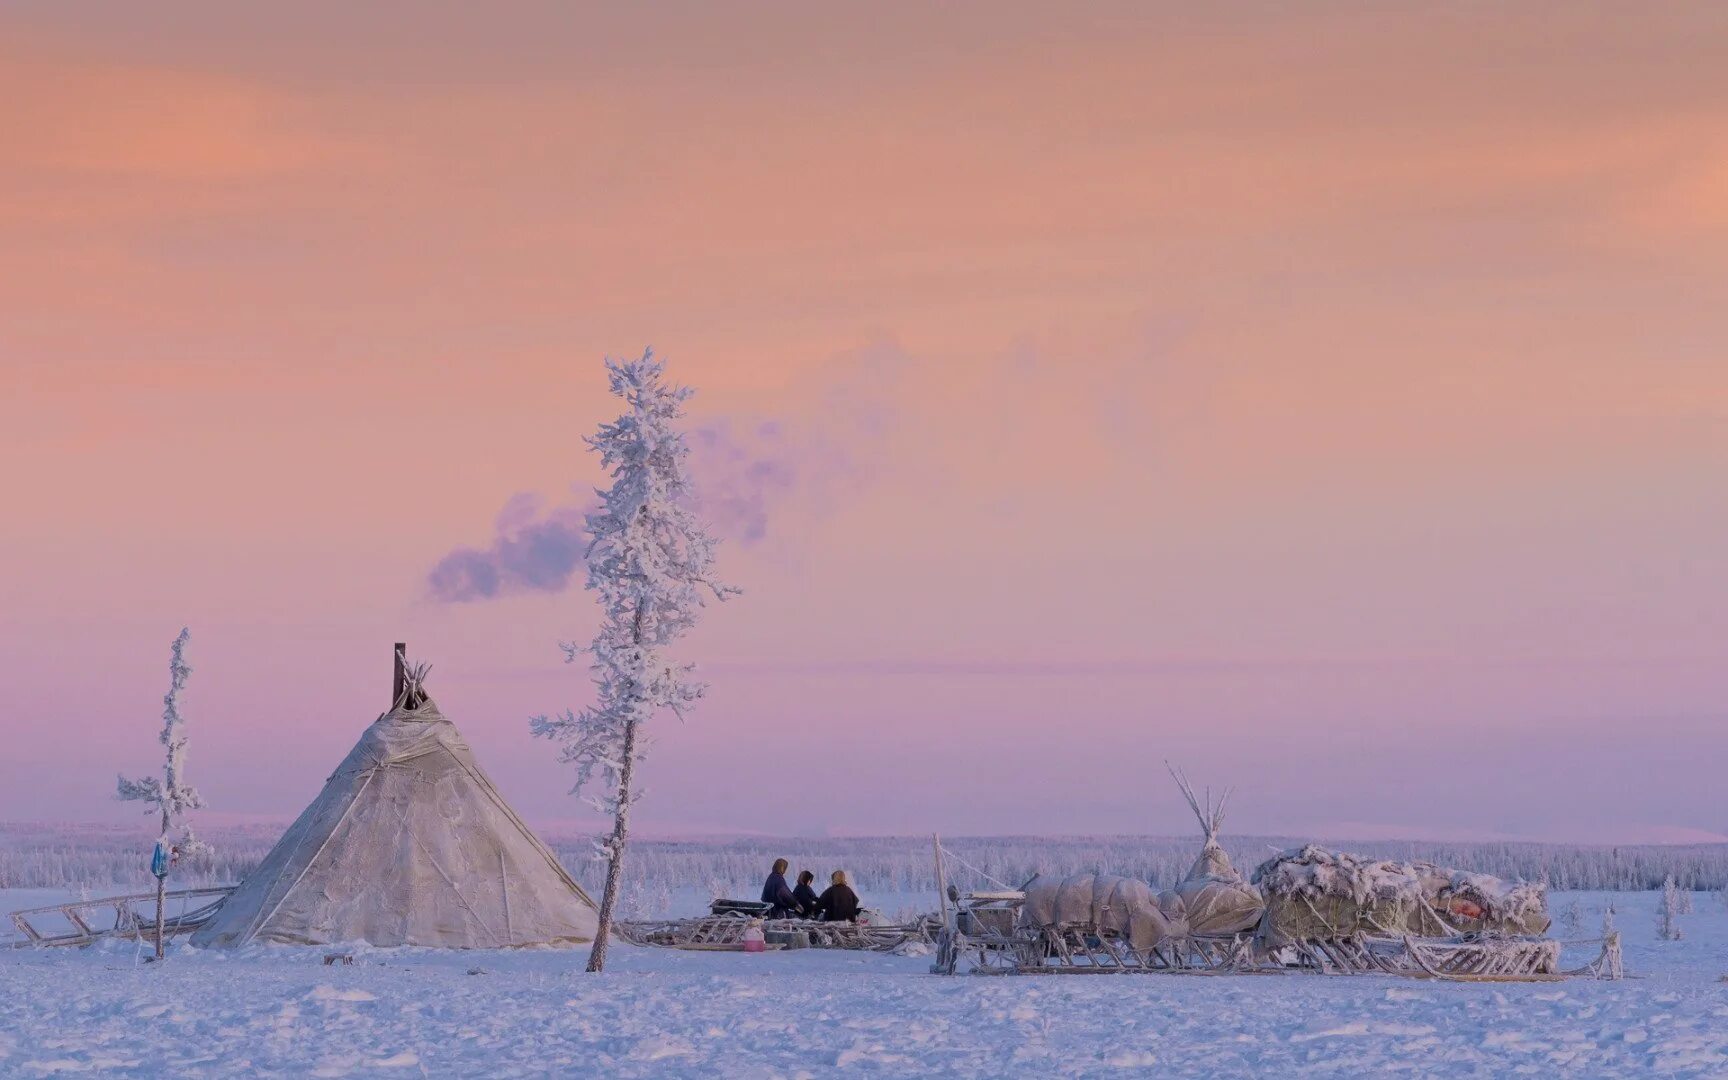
x,y
169,794
1668,914
1573,918
651,562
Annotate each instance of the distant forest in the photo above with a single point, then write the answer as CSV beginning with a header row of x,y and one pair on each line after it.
x,y
105,857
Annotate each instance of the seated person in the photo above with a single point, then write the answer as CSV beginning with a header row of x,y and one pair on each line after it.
x,y
777,894
804,895
838,903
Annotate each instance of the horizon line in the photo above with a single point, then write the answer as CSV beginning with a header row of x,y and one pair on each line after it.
x,y
562,828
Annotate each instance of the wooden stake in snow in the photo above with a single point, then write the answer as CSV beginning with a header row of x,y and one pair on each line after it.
x,y
169,793
652,562
941,879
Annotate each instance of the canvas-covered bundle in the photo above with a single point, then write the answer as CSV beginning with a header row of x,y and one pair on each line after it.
x,y
1217,905
1472,903
1215,899
1120,905
1315,894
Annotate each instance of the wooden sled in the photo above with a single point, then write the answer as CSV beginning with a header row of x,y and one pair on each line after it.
x,y
710,932
1086,950
133,916
985,937
1521,959
1077,950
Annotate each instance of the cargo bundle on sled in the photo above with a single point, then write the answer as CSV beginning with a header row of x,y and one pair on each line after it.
x,y
1338,913
1104,922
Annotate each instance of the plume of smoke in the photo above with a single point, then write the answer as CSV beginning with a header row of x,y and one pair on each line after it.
x,y
749,472
533,549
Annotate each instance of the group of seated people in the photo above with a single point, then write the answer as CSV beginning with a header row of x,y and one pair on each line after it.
x,y
838,903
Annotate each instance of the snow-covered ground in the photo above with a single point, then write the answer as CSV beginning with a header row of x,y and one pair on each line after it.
x,y
279,1011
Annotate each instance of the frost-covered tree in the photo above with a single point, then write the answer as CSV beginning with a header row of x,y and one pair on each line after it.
x,y
169,794
1668,912
1573,919
652,563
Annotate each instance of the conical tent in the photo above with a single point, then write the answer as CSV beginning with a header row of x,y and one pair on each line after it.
x,y
409,843
1216,898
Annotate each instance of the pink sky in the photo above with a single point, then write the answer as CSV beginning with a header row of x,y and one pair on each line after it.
x,y
1337,404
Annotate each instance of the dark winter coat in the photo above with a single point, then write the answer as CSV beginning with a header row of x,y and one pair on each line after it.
x,y
775,891
805,897
838,903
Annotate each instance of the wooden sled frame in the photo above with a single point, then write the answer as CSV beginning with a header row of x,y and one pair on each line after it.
x,y
131,916
711,932
1469,958
1083,949
985,931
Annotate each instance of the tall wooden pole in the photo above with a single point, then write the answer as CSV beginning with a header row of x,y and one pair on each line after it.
x,y
162,887
399,664
941,878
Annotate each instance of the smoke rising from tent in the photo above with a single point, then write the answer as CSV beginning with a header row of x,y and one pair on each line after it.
x,y
531,551
745,475
747,472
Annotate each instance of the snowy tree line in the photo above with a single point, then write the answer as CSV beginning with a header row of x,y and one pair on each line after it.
x,y
108,858
904,864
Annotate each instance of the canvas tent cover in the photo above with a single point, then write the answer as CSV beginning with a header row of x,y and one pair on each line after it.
x,y
1312,893
1214,897
409,843
1219,904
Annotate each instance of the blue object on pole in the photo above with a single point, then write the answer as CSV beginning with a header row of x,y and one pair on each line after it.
x,y
159,860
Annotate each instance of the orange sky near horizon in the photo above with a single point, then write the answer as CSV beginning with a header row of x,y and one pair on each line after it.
x,y
1291,391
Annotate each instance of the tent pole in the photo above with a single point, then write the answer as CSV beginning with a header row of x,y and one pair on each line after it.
x,y
400,682
941,878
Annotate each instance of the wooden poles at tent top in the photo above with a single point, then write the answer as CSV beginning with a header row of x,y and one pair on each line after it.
x,y
1212,817
408,685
